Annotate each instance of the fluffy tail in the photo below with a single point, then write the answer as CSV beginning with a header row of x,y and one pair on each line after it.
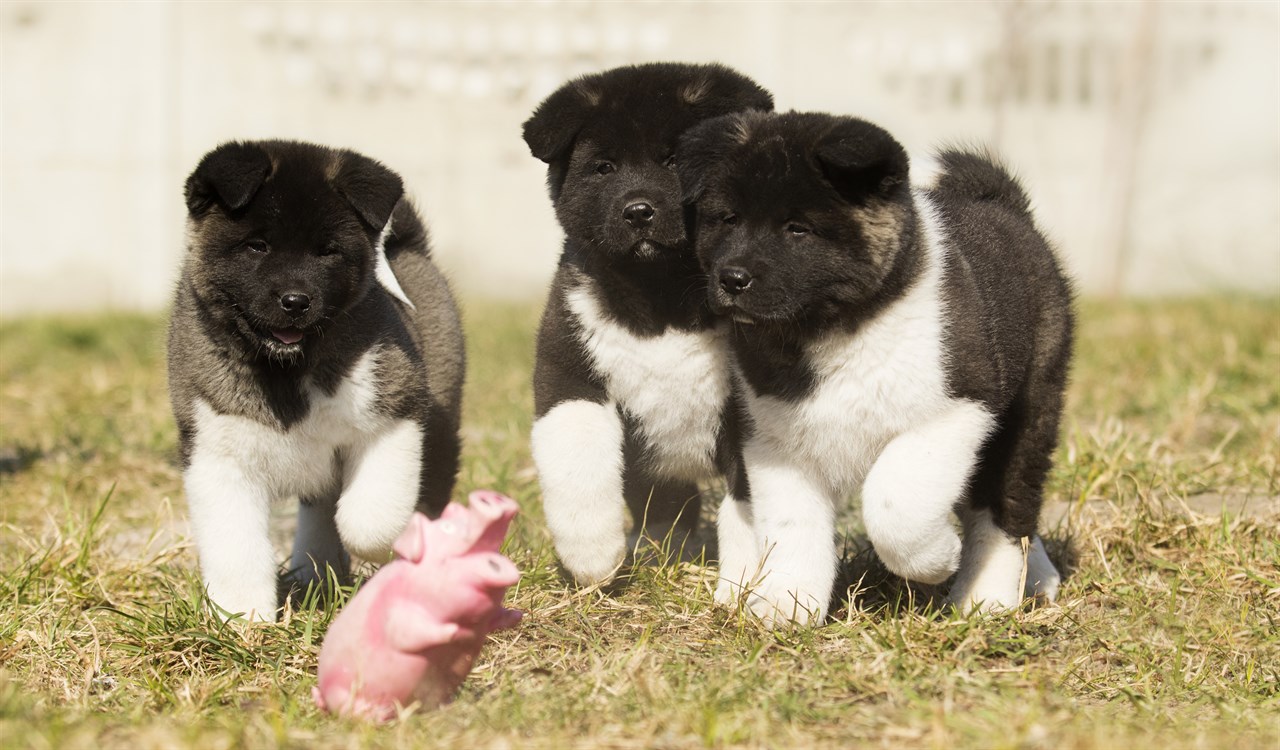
x,y
980,177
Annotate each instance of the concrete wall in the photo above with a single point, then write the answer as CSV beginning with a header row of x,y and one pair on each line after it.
x,y
1149,135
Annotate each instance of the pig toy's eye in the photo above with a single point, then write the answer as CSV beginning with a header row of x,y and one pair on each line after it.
x,y
448,528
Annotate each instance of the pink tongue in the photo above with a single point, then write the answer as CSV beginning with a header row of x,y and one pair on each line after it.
x,y
287,336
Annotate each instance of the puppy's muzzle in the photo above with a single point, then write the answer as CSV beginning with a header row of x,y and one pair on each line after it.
x,y
639,214
735,280
295,304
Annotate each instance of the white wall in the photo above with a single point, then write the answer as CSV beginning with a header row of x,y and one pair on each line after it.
x,y
106,106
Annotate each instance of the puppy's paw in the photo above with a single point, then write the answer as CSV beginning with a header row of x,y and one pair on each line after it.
x,y
1043,579
729,592
924,560
988,598
778,605
256,603
594,559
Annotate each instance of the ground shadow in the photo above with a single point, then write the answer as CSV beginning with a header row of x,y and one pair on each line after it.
x,y
864,583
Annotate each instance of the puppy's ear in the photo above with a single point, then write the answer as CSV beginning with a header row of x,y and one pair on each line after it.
x,y
230,174
704,147
720,90
371,189
554,125
862,160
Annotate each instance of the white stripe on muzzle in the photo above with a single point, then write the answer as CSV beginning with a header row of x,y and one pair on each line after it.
x,y
382,268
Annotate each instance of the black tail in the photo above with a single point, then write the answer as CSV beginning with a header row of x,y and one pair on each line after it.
x,y
980,177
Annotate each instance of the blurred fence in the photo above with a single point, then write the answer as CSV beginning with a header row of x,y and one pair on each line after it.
x,y
1148,134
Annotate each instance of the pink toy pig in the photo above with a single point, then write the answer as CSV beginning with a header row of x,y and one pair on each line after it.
x,y
413,631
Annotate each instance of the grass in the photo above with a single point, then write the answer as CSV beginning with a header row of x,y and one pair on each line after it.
x,y
1166,633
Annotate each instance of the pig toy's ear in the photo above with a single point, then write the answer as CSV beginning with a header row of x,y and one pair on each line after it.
x,y
411,545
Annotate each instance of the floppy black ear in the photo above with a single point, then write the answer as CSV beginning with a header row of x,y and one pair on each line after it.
x,y
371,189
704,147
724,90
862,160
230,174
554,125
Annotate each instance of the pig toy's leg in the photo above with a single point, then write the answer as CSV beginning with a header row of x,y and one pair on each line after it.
x,y
381,490
346,703
494,512
505,618
411,628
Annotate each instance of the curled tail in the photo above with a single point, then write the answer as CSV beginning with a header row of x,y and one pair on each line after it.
x,y
980,176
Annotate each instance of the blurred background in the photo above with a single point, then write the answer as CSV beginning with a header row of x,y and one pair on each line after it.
x,y
1148,133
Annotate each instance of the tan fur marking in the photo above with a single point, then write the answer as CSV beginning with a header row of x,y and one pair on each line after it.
x,y
741,133
333,168
695,91
591,95
880,223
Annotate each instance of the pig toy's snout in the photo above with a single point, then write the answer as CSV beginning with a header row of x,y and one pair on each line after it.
x,y
491,505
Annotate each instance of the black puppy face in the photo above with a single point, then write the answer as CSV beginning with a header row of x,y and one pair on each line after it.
x,y
609,141
799,216
621,195
284,238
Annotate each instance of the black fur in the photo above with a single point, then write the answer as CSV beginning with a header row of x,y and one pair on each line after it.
x,y
1010,332
609,141
271,217
817,212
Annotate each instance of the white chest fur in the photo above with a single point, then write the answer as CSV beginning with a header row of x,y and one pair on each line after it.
x,y
872,386
674,385
302,460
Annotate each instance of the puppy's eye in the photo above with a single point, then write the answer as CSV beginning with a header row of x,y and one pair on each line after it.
x,y
729,219
605,167
325,250
797,229
257,246
670,162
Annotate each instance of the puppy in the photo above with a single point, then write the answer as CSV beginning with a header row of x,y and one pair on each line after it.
x,y
910,344
631,378
314,351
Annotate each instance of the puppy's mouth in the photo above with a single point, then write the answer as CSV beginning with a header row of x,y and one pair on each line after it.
x,y
737,314
288,336
284,344
647,249
736,311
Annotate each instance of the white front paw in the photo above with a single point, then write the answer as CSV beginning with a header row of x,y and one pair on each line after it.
x,y
779,605
729,592
923,560
250,602
593,559
987,599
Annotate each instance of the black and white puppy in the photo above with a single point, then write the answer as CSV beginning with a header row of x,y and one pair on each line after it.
x,y
314,352
910,344
631,379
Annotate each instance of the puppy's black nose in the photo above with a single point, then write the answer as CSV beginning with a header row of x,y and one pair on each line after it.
x,y
295,303
638,214
735,280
